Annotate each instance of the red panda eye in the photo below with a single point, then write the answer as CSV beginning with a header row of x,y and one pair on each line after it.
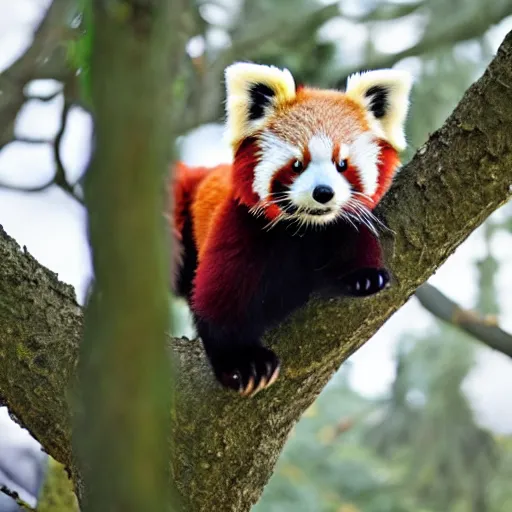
x,y
297,166
342,166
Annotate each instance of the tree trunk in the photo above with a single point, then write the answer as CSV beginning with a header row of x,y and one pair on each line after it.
x,y
123,400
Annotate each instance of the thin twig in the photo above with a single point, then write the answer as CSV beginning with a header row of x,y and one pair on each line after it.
x,y
483,328
60,178
18,188
60,173
16,497
464,30
32,140
44,98
386,12
45,58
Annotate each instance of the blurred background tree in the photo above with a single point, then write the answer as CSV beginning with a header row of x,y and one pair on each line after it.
x,y
419,445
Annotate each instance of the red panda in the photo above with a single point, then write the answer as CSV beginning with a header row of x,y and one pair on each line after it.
x,y
291,216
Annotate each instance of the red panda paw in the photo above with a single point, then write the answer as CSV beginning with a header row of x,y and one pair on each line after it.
x,y
366,281
247,370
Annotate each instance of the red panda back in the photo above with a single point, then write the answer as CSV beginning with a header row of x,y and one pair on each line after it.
x,y
198,193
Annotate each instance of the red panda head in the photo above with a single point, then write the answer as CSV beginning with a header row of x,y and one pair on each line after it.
x,y
309,154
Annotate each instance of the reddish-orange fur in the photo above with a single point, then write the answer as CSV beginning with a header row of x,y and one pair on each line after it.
x,y
203,190
211,194
199,192
244,268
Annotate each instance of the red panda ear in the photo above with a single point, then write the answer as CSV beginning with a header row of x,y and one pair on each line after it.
x,y
384,94
253,92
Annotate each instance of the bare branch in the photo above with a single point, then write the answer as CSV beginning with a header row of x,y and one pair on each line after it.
x,y
120,378
60,178
37,188
45,98
483,328
464,30
16,497
32,140
45,58
205,104
387,11
280,31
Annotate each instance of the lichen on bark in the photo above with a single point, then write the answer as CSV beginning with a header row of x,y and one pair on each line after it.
x,y
57,494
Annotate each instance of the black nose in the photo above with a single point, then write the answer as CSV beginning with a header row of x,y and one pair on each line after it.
x,y
323,194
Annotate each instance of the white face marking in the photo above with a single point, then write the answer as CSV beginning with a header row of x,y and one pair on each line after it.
x,y
364,156
320,148
274,154
321,171
344,152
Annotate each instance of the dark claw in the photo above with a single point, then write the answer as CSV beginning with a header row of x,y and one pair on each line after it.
x,y
246,370
366,281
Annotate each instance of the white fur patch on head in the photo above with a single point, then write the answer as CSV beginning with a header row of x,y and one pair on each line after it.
x,y
364,156
320,147
344,152
273,155
253,92
384,94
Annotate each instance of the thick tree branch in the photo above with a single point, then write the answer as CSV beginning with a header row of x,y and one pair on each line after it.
x,y
226,446
482,328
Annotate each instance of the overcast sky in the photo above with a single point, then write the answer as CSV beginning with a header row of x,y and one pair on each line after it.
x,y
52,226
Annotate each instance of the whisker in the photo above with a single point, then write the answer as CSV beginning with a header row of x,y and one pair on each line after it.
x,y
367,213
355,192
259,208
344,215
277,194
362,216
273,222
372,216
300,222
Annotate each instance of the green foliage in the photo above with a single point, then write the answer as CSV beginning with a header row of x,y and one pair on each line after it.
x,y
79,51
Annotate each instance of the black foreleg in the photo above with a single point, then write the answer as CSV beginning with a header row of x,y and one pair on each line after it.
x,y
353,263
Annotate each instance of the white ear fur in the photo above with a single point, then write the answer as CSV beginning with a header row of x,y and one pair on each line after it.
x,y
253,92
384,94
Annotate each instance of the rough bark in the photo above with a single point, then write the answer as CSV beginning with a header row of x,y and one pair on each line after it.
x,y
226,446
